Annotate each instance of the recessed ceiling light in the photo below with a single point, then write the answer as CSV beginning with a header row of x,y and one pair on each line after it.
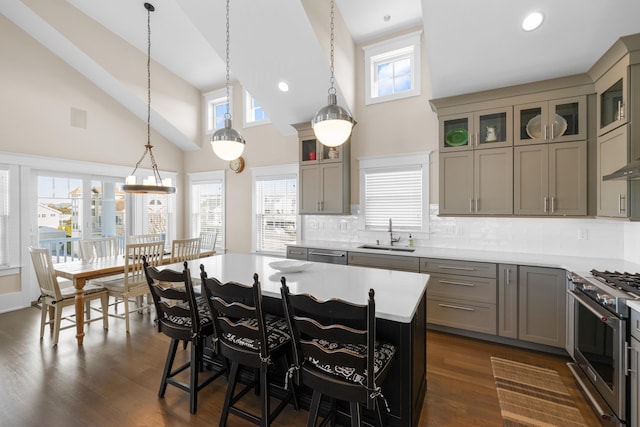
x,y
532,21
387,18
283,86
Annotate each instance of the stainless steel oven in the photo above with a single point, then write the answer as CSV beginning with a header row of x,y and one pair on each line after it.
x,y
601,346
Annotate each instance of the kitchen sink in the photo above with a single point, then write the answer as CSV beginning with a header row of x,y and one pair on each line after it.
x,y
387,248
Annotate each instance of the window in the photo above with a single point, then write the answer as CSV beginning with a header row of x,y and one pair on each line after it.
x,y
275,208
215,107
9,215
253,113
207,204
395,188
392,69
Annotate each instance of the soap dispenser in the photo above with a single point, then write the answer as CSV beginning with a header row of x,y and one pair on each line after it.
x,y
410,240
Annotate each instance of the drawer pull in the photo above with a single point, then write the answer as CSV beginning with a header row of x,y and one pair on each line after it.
x,y
447,267
326,254
447,282
457,307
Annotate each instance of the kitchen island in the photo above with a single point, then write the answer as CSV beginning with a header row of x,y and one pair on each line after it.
x,y
400,310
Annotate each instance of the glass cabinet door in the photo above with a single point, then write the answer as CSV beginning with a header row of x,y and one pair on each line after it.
x,y
612,104
455,131
530,123
330,154
568,119
493,128
309,151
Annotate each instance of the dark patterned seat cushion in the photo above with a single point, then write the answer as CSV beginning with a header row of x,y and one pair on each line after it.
x,y
277,333
383,356
203,311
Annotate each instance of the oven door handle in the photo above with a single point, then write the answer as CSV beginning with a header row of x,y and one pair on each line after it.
x,y
602,314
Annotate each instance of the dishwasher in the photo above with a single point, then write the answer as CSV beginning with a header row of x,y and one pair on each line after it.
x,y
327,255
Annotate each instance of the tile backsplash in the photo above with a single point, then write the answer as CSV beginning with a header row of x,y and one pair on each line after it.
x,y
549,236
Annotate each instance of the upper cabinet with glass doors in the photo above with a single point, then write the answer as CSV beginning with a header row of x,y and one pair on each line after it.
x,y
477,130
612,94
559,120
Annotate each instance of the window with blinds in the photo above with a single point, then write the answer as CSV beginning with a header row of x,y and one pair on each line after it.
x,y
276,208
396,193
4,216
207,206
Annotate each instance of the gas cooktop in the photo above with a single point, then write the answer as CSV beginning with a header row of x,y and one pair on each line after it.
x,y
629,282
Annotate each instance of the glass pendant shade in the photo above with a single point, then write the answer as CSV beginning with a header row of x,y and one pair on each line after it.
x,y
332,124
227,143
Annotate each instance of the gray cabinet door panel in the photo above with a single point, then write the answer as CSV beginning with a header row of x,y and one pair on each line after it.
x,y
531,179
508,301
310,189
493,181
470,316
568,178
612,155
456,182
463,287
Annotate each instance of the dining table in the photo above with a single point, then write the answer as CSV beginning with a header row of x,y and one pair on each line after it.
x,y
81,271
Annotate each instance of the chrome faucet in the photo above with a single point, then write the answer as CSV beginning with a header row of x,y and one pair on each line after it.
x,y
391,239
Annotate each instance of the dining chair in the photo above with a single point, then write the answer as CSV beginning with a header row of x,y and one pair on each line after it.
x,y
56,294
132,287
336,353
209,240
98,248
249,338
144,238
185,249
182,317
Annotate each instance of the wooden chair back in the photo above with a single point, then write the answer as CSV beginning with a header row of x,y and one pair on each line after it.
x,y
174,300
98,248
208,240
185,249
144,238
135,253
45,272
236,310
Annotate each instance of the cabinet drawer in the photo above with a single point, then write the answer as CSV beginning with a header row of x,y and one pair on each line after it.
x,y
296,253
390,262
470,316
635,324
479,289
464,268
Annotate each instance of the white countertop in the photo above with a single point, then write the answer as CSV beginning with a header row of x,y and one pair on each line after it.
x,y
576,264
397,293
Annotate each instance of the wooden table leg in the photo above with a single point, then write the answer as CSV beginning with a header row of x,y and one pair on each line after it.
x,y
79,285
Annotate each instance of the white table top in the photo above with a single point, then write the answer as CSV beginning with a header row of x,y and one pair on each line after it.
x,y
397,293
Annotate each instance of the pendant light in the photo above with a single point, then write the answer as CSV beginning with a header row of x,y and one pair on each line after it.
x,y
152,184
227,143
332,124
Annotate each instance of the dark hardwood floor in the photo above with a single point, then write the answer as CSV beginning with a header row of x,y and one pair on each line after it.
x,y
113,379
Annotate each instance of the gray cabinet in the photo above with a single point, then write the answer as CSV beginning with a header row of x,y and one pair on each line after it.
x,y
542,305
295,252
558,120
550,179
508,300
612,155
461,294
490,128
324,175
634,374
389,262
478,182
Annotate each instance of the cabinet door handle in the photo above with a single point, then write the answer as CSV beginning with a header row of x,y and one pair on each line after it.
x,y
621,207
449,267
448,282
476,203
545,132
457,307
507,272
552,136
553,204
546,199
471,204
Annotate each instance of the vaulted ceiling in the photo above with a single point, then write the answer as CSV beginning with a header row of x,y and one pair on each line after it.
x,y
470,45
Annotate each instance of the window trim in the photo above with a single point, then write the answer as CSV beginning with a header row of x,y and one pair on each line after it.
x,y
269,171
211,99
247,112
395,161
13,224
375,52
206,178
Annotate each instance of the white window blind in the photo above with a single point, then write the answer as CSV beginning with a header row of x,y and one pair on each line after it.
x,y
396,193
276,208
207,208
4,216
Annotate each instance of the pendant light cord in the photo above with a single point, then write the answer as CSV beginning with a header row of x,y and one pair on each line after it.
x,y
228,114
332,79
